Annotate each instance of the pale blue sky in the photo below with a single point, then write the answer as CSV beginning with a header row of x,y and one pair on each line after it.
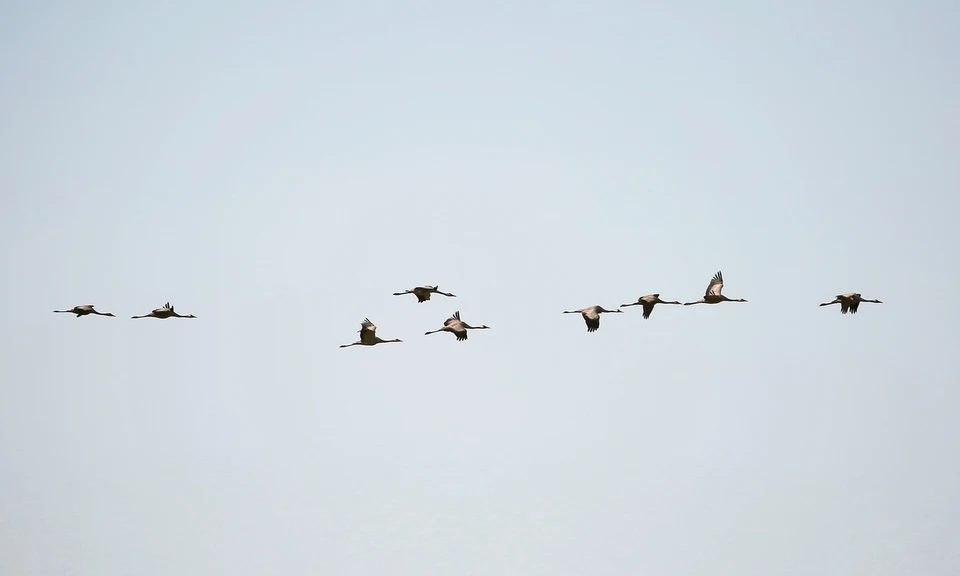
x,y
279,169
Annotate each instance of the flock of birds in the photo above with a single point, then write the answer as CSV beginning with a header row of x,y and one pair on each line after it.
x,y
848,302
165,311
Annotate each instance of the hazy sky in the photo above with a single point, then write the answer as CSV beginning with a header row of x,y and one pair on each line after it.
x,y
279,169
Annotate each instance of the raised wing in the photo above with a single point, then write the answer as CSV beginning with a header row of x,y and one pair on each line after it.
x,y
716,285
368,331
452,319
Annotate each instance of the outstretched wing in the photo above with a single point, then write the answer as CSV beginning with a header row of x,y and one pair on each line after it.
x,y
648,308
593,324
716,285
592,318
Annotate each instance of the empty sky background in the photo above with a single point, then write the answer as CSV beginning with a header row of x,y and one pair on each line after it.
x,y
279,169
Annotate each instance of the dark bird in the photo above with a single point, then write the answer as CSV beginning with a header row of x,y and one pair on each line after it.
x,y
423,293
166,311
83,310
849,302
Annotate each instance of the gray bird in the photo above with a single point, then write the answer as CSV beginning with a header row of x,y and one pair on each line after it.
x,y
591,315
368,336
457,327
648,302
713,294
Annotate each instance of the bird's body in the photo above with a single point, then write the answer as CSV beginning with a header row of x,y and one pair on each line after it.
x,y
83,310
457,327
648,302
714,294
591,315
850,301
165,311
423,293
368,336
